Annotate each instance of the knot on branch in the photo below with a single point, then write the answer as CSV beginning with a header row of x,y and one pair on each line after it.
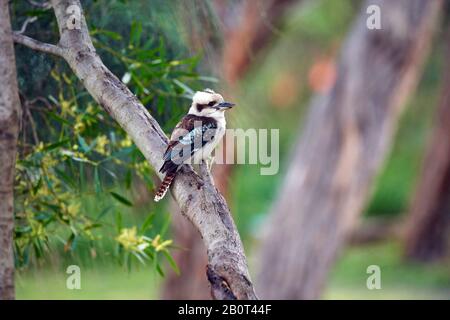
x,y
220,289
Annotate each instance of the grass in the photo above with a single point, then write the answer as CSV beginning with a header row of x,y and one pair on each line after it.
x,y
399,280
105,284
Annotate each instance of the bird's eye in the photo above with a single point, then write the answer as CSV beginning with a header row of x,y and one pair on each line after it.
x,y
211,103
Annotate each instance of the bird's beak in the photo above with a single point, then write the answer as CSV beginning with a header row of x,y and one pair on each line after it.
x,y
225,105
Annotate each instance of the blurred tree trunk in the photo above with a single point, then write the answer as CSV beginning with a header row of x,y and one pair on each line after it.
x,y
427,232
259,23
347,135
246,35
9,131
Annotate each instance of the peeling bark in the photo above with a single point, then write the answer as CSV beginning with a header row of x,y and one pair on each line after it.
x,y
199,200
10,114
346,138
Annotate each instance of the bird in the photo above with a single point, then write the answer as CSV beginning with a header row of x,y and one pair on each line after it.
x,y
195,136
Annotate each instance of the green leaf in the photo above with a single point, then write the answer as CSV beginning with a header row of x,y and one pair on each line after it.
x,y
83,144
26,255
119,224
165,225
103,213
147,223
74,244
93,226
53,207
38,250
110,34
135,33
111,173
141,256
121,199
55,145
69,180
128,179
183,86
97,182
37,186
43,216
54,116
159,269
172,262
22,230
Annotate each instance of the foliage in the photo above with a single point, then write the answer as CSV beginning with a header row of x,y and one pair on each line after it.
x,y
70,149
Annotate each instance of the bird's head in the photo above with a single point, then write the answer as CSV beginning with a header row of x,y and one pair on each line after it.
x,y
208,103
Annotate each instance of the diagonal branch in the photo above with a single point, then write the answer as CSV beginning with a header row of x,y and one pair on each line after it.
x,y
200,202
26,23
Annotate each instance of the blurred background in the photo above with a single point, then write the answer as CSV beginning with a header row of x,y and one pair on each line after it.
x,y
341,201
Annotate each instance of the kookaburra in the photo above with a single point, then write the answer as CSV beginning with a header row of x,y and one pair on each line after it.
x,y
195,136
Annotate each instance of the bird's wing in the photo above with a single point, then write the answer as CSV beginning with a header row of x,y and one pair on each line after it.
x,y
190,135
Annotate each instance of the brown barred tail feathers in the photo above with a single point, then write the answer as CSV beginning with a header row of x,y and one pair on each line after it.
x,y
165,184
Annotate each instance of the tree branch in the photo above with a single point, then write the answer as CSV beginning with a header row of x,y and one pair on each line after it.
x,y
37,45
43,5
200,202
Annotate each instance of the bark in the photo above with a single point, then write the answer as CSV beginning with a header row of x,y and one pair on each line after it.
x,y
199,200
346,137
427,233
10,114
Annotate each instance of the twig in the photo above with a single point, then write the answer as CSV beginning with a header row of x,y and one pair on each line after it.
x,y
38,45
33,124
41,99
25,24
44,5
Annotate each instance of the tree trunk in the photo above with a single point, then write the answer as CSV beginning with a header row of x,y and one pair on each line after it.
x,y
199,200
258,26
9,130
346,138
427,232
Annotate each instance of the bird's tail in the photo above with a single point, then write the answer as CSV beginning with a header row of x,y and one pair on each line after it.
x,y
165,184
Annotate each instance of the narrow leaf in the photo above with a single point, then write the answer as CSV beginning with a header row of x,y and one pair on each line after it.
x,y
121,199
